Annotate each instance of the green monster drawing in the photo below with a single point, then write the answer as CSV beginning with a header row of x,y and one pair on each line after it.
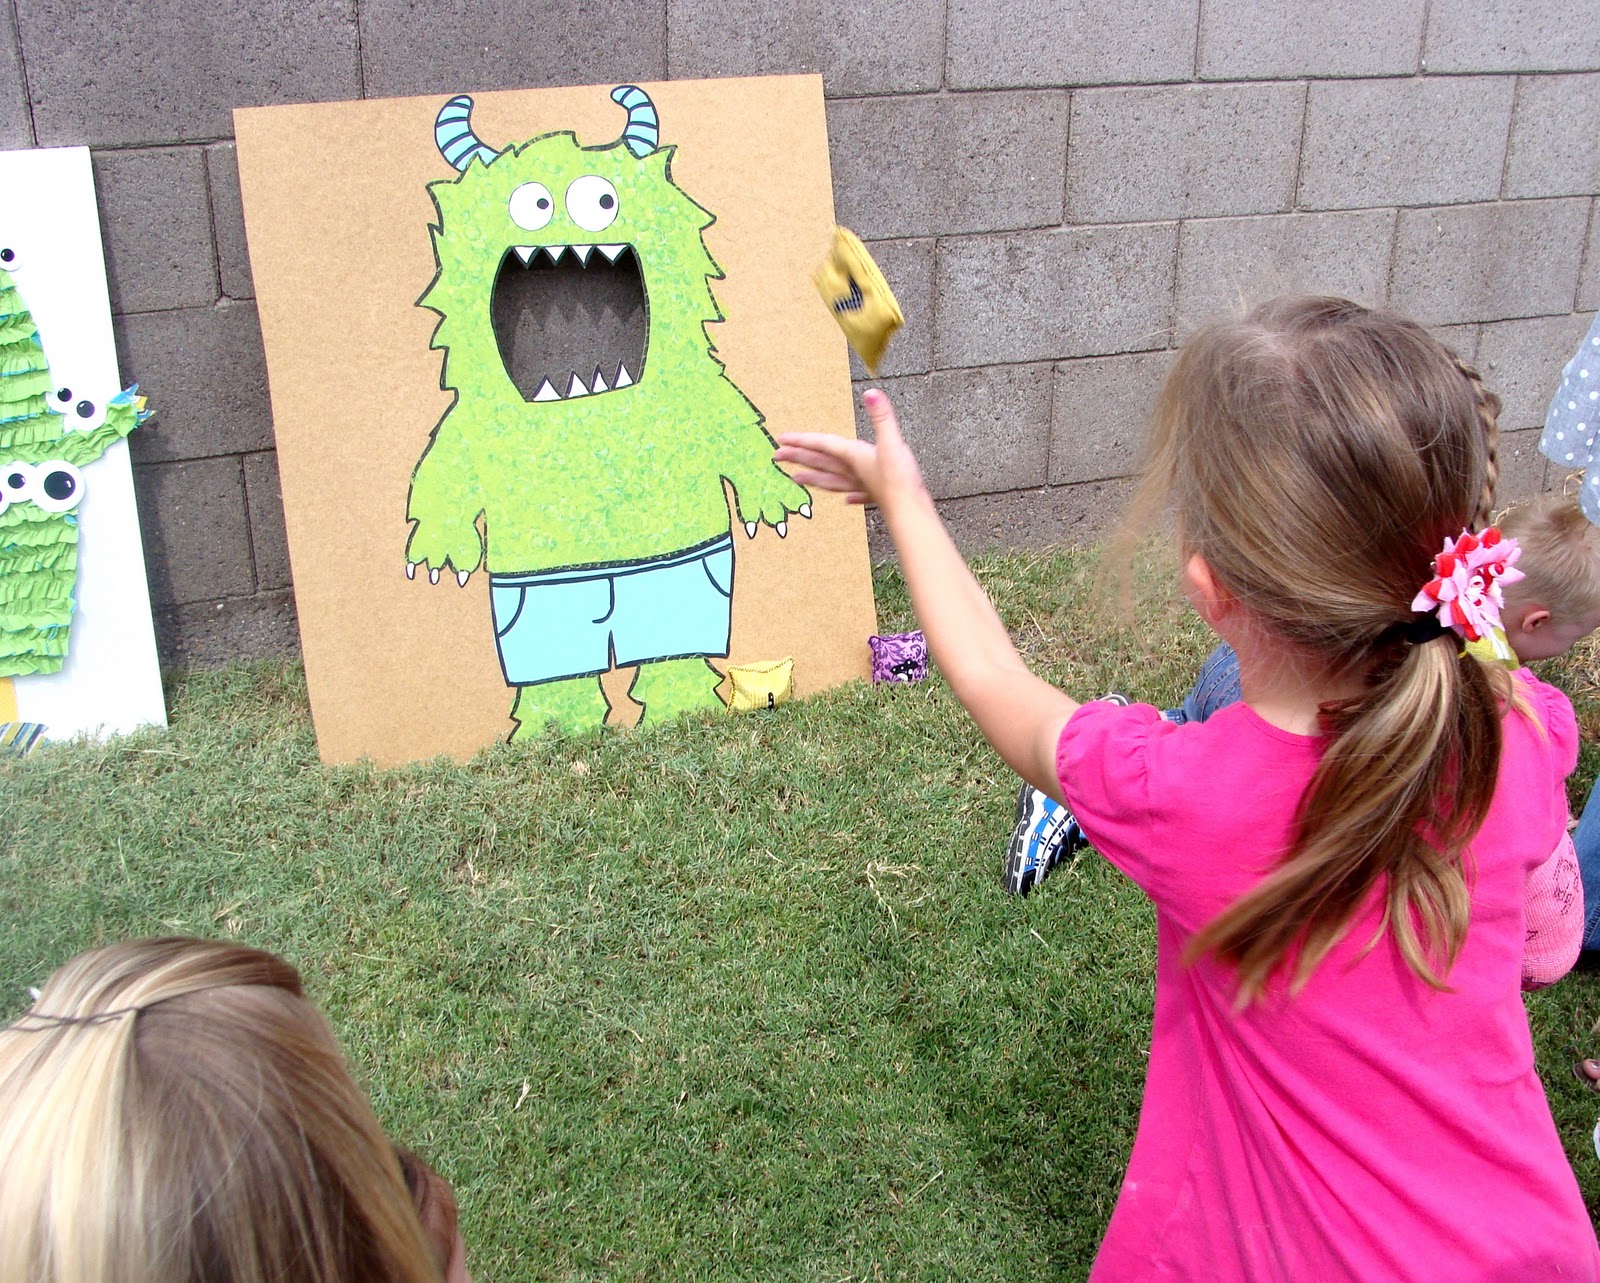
x,y
595,500
47,434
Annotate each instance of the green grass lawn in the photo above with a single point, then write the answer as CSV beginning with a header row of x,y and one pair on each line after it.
x,y
736,998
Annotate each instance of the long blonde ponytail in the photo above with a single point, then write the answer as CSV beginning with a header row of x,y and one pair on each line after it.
x,y
1316,454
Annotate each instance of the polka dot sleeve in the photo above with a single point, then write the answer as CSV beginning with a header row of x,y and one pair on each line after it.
x,y
1574,415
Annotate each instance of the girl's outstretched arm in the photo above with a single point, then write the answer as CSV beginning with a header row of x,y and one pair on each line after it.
x,y
1018,713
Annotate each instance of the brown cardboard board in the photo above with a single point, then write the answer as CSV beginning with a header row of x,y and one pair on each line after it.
x,y
337,212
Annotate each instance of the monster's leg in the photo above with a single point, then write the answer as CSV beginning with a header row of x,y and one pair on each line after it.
x,y
571,705
668,687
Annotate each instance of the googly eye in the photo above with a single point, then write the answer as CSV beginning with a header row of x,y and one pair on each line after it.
x,y
9,258
16,483
530,206
592,203
81,413
57,486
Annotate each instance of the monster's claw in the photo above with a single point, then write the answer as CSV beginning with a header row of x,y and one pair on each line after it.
x,y
750,529
461,577
411,570
433,575
782,528
805,511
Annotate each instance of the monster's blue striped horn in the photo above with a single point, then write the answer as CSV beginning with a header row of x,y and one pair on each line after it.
x,y
452,130
643,132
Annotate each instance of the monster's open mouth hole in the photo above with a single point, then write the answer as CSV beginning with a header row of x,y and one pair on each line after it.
x,y
570,320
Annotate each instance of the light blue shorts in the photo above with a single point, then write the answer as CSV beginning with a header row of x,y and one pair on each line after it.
x,y
571,623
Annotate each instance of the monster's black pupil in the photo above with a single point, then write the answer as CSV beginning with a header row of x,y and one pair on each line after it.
x,y
7,255
606,202
543,202
16,481
64,395
85,409
60,485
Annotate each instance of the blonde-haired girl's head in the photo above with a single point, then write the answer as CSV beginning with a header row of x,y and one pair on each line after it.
x,y
175,1111
1316,454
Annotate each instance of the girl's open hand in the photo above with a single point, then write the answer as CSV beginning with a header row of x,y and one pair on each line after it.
x,y
862,471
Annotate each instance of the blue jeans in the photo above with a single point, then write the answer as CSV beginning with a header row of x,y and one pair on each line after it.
x,y
1586,838
1216,686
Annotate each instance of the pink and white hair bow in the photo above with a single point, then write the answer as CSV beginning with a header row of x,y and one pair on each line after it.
x,y
1466,588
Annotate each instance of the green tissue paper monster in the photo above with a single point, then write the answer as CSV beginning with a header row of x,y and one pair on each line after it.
x,y
48,434
595,499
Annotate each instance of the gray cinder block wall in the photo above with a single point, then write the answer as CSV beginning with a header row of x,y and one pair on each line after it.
x,y
1057,189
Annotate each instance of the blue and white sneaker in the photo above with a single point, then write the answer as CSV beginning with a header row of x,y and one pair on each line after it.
x,y
1045,835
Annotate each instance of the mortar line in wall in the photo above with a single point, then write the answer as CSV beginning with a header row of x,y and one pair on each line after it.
x,y
1394,255
361,63
249,525
666,42
1300,150
1583,254
1421,62
1199,24
1511,125
22,68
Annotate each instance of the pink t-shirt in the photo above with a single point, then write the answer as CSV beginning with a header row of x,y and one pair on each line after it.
x,y
1369,1127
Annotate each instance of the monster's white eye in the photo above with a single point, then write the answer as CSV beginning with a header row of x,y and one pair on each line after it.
x,y
57,486
16,483
530,206
592,203
9,258
81,413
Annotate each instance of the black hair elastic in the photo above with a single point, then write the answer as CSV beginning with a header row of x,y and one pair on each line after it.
x,y
1423,629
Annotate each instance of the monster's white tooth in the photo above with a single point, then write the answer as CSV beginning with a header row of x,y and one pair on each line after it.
x,y
577,388
554,252
583,252
546,392
611,251
525,252
624,379
599,381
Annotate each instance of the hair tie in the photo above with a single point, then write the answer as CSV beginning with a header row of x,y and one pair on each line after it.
x,y
1422,629
1464,595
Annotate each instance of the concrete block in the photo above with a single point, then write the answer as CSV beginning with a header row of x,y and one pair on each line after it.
x,y
196,538
1522,362
156,219
1268,39
1430,141
858,46
908,267
975,431
133,72
421,47
1460,339
1555,137
268,540
206,376
929,166
240,629
1101,415
1488,262
1589,280
1188,151
1048,517
1529,35
1524,472
1041,296
16,117
1000,44
1226,263
227,221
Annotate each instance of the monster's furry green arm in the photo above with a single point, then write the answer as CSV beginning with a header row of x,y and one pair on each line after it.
x,y
445,507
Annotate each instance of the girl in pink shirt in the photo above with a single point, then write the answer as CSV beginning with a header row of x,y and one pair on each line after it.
x,y
1341,1081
